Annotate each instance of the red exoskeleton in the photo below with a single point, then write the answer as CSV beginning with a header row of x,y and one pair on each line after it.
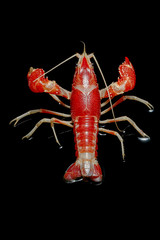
x,y
85,106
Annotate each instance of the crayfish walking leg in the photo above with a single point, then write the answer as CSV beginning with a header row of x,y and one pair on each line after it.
x,y
122,99
17,119
115,134
125,118
51,121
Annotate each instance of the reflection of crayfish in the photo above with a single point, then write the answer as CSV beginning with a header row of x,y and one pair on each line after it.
x,y
85,103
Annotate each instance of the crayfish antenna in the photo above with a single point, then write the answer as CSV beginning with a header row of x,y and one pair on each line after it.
x,y
84,49
50,70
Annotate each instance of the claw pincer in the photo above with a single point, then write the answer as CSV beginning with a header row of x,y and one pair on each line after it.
x,y
127,75
126,81
39,84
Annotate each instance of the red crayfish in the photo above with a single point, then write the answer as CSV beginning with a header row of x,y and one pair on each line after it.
x,y
85,106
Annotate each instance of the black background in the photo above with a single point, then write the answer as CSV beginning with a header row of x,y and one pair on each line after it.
x,y
42,37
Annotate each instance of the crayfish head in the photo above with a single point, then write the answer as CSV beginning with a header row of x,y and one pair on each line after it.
x,y
84,74
84,61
